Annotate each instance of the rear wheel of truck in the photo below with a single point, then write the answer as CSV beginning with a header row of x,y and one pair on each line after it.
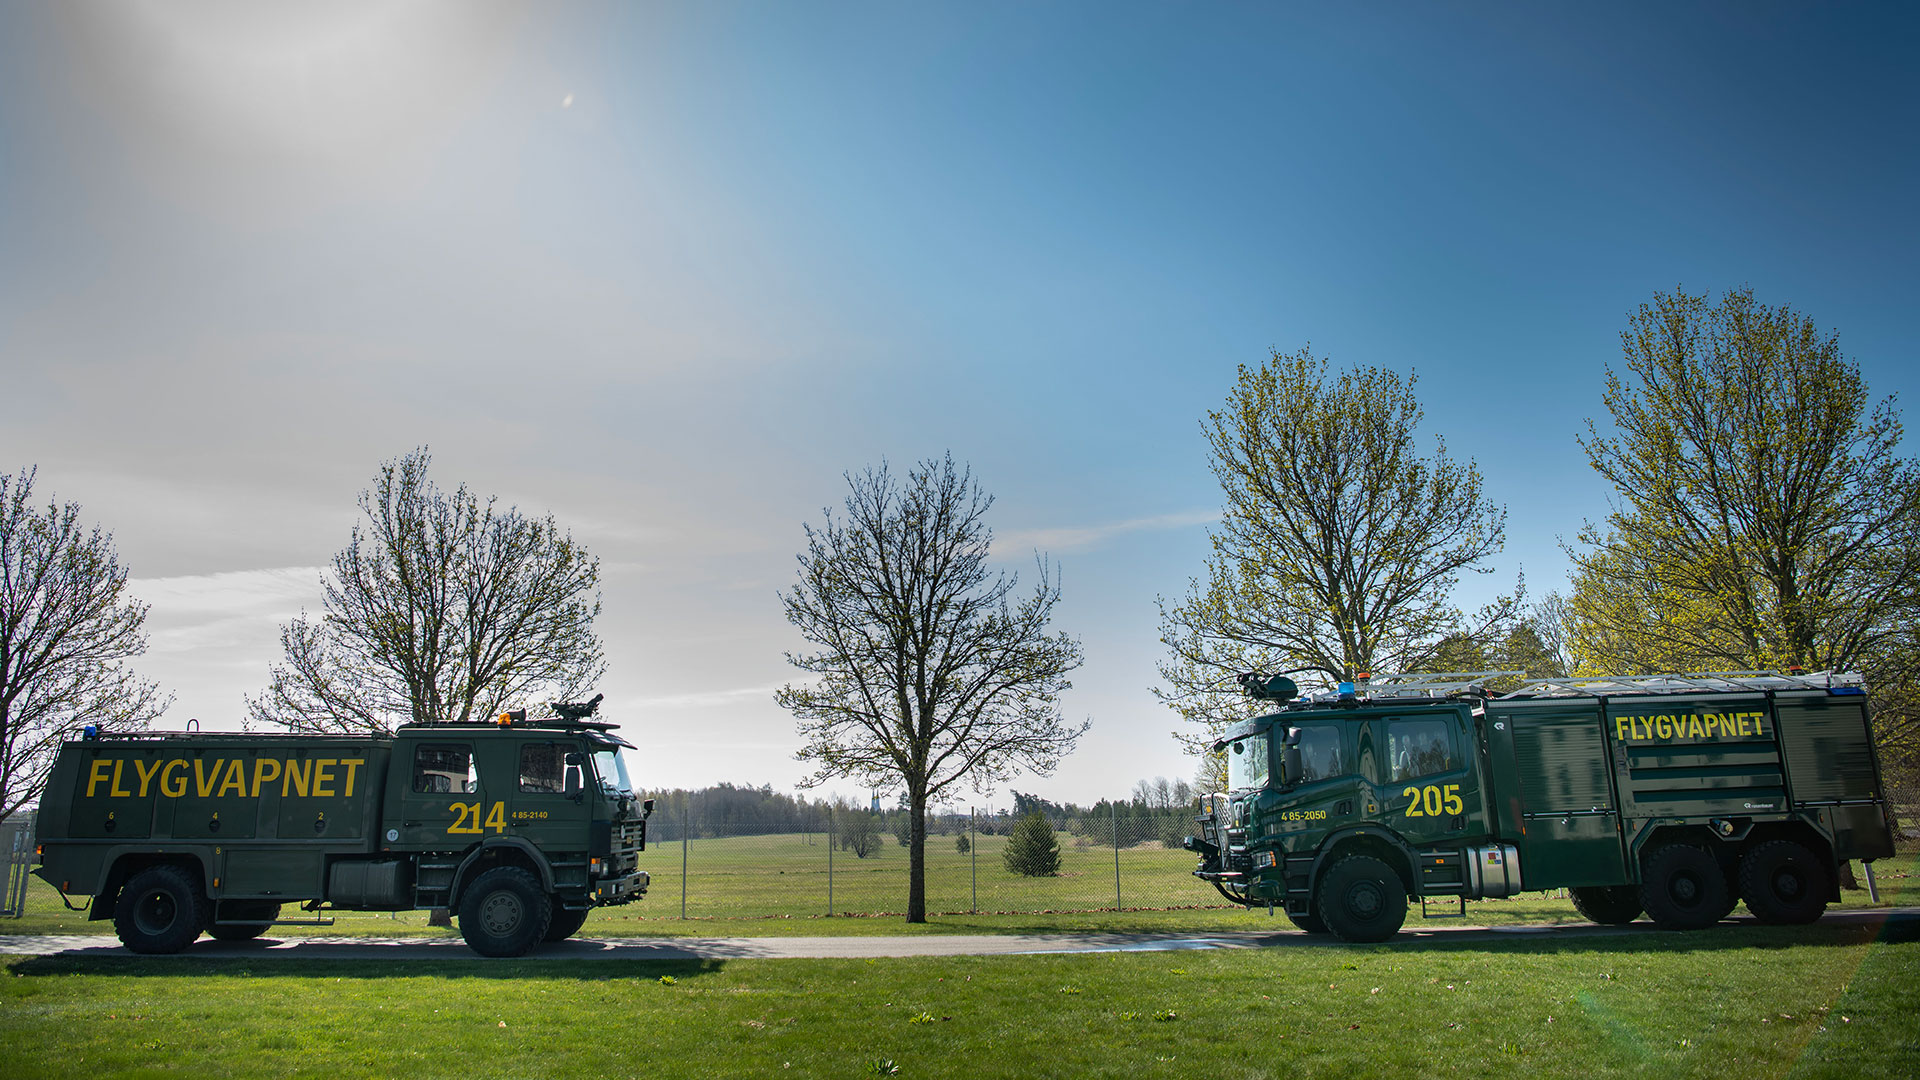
x,y
504,913
1608,905
1683,888
160,911
1361,899
565,923
265,911
1783,882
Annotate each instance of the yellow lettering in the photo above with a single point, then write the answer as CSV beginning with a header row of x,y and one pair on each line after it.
x,y
114,789
1662,728
1757,730
203,782
1620,726
170,785
261,775
1694,729
323,777
297,774
146,774
98,775
1713,724
353,766
236,778
1742,724
497,819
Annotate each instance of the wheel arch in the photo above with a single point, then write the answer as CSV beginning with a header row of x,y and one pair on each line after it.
x,y
125,863
1385,846
504,851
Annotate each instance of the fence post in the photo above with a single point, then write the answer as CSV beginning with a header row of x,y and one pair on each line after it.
x,y
833,840
1116,855
973,851
686,813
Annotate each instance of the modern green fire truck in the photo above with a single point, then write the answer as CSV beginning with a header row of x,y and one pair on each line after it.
x,y
1676,795
519,826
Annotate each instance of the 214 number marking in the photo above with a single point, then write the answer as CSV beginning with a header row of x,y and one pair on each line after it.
x,y
466,819
1434,801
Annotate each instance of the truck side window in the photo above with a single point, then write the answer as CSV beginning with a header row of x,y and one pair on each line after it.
x,y
1418,748
444,768
543,768
1321,757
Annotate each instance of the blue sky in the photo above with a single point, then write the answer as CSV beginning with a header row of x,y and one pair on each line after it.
x,y
668,271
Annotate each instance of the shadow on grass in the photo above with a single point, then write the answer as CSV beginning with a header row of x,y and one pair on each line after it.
x,y
369,968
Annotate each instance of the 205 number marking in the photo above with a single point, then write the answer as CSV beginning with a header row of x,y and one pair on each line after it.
x,y
1434,801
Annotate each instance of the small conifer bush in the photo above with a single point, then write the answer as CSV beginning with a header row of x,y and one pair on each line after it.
x,y
1031,848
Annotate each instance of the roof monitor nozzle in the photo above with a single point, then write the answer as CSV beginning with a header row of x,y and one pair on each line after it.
x,y
578,711
1268,687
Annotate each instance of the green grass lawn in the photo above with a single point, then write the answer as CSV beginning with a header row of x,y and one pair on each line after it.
x,y
764,886
1826,1000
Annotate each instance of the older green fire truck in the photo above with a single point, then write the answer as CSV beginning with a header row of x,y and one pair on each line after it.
x,y
520,826
1675,795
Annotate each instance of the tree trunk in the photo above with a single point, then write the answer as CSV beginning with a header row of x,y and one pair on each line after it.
x,y
439,917
917,857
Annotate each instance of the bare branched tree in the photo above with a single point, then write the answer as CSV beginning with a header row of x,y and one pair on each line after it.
x,y
442,608
66,627
1340,543
926,671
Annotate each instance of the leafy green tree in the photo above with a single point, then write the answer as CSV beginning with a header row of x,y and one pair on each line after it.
x,y
1032,849
441,608
926,669
963,844
67,627
1765,518
1339,545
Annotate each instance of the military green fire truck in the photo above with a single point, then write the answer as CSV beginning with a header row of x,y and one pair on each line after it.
x,y
519,826
1677,796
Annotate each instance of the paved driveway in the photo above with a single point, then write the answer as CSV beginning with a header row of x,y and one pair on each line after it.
x,y
1906,920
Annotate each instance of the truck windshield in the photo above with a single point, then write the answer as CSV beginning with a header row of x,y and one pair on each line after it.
x,y
1247,762
612,772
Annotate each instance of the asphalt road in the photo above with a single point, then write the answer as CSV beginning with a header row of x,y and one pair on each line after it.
x,y
1906,919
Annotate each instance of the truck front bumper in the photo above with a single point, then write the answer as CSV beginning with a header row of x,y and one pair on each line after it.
x,y
621,889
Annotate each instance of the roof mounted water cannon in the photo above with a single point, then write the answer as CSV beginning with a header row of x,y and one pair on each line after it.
x,y
1263,687
578,711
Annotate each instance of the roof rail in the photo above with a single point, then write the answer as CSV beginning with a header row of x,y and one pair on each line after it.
x,y
1434,684
1695,682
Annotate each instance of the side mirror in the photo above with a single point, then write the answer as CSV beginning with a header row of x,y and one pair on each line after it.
x,y
646,809
574,757
1290,758
573,779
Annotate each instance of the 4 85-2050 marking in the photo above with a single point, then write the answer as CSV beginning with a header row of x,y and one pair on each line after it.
x,y
1434,801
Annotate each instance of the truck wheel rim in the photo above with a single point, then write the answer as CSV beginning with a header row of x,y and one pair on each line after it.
x,y
1364,900
501,913
156,912
1786,884
1684,890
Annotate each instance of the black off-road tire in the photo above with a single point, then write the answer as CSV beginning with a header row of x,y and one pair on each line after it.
x,y
1608,905
161,910
1362,899
264,910
1683,888
1311,922
504,913
565,923
1785,883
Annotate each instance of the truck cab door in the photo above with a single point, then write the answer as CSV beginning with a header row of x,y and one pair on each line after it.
x,y
1425,787
550,800
443,803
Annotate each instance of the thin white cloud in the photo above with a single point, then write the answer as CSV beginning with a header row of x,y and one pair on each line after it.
x,y
703,699
235,592
1082,537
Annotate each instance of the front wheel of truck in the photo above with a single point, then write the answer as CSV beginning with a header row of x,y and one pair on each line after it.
x,y
1683,888
504,913
565,923
160,911
1608,905
1361,899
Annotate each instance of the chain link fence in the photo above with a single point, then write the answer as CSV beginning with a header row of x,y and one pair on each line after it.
x,y
850,865
16,849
